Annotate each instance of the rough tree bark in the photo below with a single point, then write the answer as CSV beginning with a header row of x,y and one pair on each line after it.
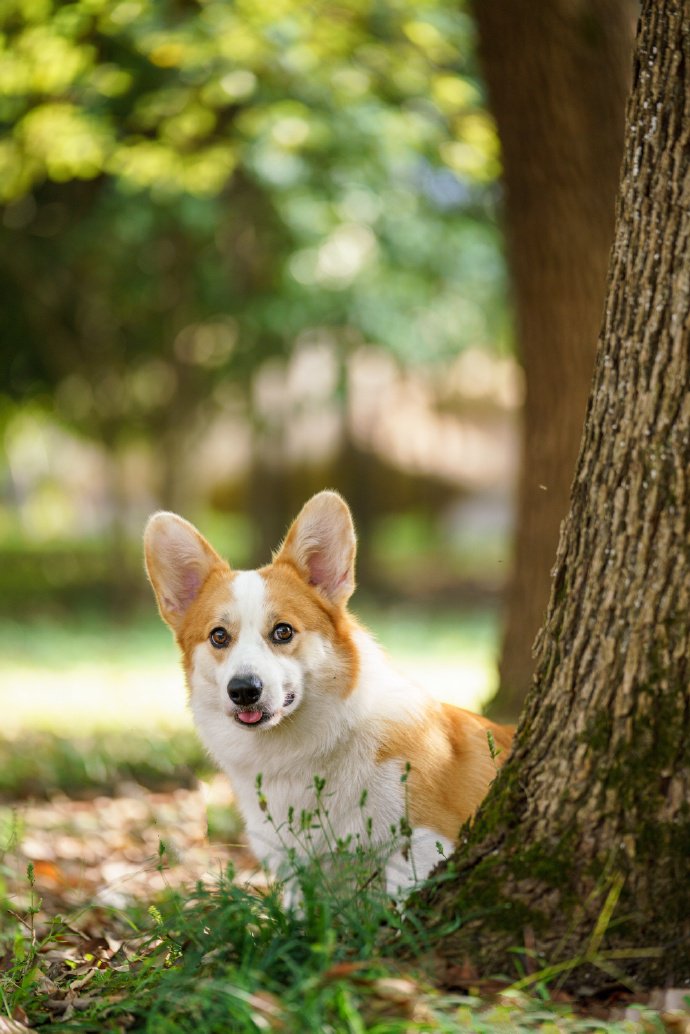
x,y
558,75
582,849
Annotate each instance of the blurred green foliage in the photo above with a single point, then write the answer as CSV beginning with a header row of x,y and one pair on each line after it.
x,y
41,764
189,186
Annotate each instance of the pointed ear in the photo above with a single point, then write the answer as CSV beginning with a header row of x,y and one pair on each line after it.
x,y
178,562
321,544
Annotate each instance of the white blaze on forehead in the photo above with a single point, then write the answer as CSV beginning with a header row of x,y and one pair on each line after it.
x,y
252,653
249,591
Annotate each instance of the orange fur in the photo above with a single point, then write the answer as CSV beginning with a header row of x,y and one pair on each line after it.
x,y
207,611
298,603
451,764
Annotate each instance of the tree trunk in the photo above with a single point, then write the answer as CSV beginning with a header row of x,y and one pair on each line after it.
x,y
582,849
558,75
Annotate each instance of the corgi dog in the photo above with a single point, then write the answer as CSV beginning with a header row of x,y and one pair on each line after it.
x,y
291,696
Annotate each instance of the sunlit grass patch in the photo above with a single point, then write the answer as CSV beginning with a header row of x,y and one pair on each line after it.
x,y
88,673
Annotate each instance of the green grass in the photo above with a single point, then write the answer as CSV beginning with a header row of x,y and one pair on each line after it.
x,y
225,958
228,959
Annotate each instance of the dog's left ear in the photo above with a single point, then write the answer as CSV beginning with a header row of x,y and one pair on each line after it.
x,y
321,544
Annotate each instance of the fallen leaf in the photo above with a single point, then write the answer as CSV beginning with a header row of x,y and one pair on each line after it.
x,y
676,1022
396,989
670,999
8,1026
397,997
47,872
342,970
457,974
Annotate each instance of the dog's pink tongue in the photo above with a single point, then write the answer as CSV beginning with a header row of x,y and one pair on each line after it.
x,y
250,717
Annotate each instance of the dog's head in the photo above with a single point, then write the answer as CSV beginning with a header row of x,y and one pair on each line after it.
x,y
260,646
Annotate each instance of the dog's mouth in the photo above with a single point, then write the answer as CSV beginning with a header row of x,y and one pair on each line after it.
x,y
250,717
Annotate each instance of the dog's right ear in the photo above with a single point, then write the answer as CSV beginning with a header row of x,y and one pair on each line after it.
x,y
178,562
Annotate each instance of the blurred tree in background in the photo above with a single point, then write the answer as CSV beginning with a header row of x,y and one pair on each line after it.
x,y
558,77
198,194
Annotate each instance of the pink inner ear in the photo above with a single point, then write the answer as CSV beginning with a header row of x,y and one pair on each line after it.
x,y
321,574
191,583
319,570
187,588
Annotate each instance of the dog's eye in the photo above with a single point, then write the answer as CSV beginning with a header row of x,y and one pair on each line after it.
x,y
282,633
219,638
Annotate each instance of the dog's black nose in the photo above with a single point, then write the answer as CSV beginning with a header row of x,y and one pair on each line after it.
x,y
245,689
